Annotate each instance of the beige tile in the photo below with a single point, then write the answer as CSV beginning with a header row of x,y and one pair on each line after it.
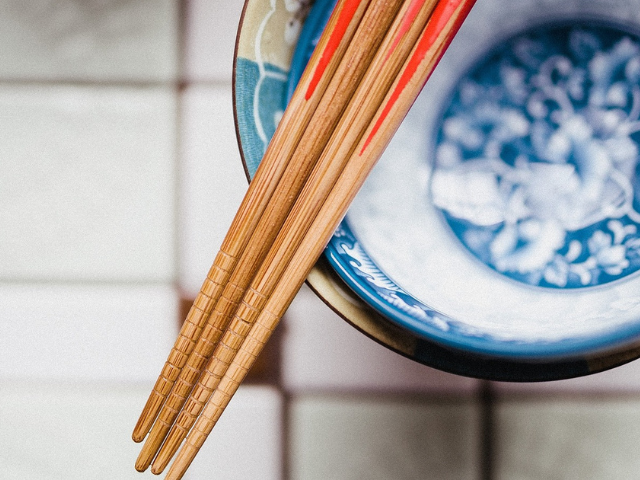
x,y
321,351
64,431
344,438
246,443
212,180
90,40
87,190
83,332
211,28
567,440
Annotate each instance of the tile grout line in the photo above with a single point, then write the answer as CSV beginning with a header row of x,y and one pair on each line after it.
x,y
486,397
285,439
178,90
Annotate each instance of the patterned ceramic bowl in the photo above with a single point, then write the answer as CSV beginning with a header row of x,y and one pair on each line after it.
x,y
499,235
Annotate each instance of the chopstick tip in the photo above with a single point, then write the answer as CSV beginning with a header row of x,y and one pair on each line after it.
x,y
143,462
148,416
137,437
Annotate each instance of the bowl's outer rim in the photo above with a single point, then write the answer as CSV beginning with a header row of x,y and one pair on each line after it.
x,y
338,296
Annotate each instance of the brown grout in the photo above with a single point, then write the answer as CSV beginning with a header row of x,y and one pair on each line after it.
x,y
486,400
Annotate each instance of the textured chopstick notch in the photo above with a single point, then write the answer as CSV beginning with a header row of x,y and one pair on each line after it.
x,y
184,344
224,354
234,376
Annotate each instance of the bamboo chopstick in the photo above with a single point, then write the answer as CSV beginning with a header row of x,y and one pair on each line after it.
x,y
392,53
364,43
444,23
331,47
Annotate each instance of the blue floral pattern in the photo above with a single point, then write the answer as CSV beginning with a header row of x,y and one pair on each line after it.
x,y
536,162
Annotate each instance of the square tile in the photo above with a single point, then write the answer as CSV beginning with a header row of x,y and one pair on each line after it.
x,y
212,180
211,28
83,332
568,439
246,442
93,40
323,352
344,438
87,190
56,431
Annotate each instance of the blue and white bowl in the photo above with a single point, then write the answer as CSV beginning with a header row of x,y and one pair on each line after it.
x,y
498,236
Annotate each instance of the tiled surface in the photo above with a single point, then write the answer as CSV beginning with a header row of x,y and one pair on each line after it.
x,y
377,438
210,36
56,431
567,439
119,176
87,189
85,332
92,40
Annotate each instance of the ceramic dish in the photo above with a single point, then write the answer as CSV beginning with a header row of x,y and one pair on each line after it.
x,y
473,246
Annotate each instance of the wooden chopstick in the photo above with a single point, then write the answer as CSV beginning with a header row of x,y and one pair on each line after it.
x,y
444,23
331,47
377,18
392,53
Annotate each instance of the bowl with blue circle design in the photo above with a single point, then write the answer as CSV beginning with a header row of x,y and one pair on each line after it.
x,y
499,234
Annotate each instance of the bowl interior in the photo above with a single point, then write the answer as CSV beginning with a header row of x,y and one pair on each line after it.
x,y
502,218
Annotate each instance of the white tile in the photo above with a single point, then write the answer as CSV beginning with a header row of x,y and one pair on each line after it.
x,y
89,40
211,28
87,190
322,352
247,440
64,431
77,332
622,379
212,180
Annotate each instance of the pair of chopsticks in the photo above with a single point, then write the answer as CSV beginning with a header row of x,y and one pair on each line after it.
x,y
369,66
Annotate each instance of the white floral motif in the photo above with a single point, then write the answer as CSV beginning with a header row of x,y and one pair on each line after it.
x,y
546,152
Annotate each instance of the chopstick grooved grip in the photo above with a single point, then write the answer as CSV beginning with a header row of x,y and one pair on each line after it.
x,y
210,378
344,22
186,341
223,355
220,399
192,370
394,48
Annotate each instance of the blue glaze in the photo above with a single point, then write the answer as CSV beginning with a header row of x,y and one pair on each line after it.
x,y
537,156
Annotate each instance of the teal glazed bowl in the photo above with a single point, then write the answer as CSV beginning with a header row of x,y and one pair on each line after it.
x,y
498,237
